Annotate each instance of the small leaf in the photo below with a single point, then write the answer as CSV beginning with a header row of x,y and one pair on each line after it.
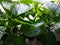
x,y
7,5
2,30
27,2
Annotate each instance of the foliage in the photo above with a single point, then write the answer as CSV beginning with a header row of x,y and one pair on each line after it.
x,y
18,29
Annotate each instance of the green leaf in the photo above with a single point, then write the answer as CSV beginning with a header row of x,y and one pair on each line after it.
x,y
5,0
19,21
56,19
2,30
24,28
17,10
19,41
27,2
2,22
31,31
47,38
13,39
8,6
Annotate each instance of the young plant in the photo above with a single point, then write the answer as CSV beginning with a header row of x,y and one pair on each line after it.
x,y
33,23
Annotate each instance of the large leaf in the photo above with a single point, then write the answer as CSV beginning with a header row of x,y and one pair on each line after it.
x,y
47,38
31,31
19,41
15,40
20,8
